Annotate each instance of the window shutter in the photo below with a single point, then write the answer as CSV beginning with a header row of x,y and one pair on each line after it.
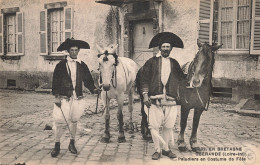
x,y
205,20
255,31
68,22
1,34
43,33
20,35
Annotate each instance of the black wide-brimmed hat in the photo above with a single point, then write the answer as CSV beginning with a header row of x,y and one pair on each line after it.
x,y
166,37
72,42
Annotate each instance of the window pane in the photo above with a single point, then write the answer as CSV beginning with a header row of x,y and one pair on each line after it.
x,y
226,13
54,41
11,33
56,28
243,24
10,48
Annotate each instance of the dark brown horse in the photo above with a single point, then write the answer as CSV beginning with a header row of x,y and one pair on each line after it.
x,y
196,95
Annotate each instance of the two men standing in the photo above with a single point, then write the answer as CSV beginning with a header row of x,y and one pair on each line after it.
x,y
160,84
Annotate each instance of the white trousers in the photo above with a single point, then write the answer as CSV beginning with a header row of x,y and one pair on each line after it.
x,y
72,110
164,116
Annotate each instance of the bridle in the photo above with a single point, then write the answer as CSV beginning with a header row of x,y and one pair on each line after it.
x,y
191,73
114,74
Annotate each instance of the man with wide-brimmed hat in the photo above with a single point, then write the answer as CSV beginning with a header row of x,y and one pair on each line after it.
x,y
67,89
160,83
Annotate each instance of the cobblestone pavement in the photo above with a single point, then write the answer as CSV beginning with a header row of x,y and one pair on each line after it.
x,y
23,116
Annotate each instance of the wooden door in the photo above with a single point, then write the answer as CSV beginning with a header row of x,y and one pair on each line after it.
x,y
142,35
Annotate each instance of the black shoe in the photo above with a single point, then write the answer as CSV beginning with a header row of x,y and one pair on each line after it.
x,y
56,150
156,156
72,147
169,153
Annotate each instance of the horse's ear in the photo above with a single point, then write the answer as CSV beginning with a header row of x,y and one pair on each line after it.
x,y
115,47
100,50
199,43
216,47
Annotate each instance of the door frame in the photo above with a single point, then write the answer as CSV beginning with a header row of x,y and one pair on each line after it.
x,y
131,34
130,19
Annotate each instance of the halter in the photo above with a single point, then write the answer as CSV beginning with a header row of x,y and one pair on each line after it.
x,y
191,72
114,74
113,54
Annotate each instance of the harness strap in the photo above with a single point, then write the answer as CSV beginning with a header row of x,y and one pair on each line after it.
x,y
114,75
201,101
207,103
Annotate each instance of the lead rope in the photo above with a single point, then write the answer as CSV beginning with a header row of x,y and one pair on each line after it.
x,y
97,104
201,101
104,107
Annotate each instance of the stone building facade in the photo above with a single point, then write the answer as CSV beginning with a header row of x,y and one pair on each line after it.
x,y
30,32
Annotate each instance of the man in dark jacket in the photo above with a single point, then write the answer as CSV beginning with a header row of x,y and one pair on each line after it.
x,y
160,83
67,89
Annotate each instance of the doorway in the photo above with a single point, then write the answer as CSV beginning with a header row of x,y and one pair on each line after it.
x,y
142,33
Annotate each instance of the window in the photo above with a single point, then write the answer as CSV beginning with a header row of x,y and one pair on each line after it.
x,y
55,28
234,23
11,33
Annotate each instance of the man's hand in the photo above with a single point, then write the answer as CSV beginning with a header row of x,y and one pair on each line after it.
x,y
146,100
97,91
57,101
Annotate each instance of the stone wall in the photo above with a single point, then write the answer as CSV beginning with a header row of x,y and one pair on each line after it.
x,y
90,24
97,24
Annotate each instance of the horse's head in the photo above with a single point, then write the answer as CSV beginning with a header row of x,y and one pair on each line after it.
x,y
107,59
202,64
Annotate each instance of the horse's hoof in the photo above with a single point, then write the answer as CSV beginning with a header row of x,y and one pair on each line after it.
x,y
105,140
131,128
182,146
121,139
149,136
131,131
194,146
196,149
182,149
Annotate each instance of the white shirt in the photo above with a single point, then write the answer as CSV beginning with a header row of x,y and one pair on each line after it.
x,y
72,69
165,70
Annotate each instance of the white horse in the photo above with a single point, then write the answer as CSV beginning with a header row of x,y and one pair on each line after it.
x,y
117,77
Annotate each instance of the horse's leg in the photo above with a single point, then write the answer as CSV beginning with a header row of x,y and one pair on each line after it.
x,y
193,138
120,101
130,109
183,123
144,123
106,135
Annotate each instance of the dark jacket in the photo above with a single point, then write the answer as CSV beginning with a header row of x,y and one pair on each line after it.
x,y
151,78
62,83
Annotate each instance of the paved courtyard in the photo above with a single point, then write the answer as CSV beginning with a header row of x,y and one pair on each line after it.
x,y
227,138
